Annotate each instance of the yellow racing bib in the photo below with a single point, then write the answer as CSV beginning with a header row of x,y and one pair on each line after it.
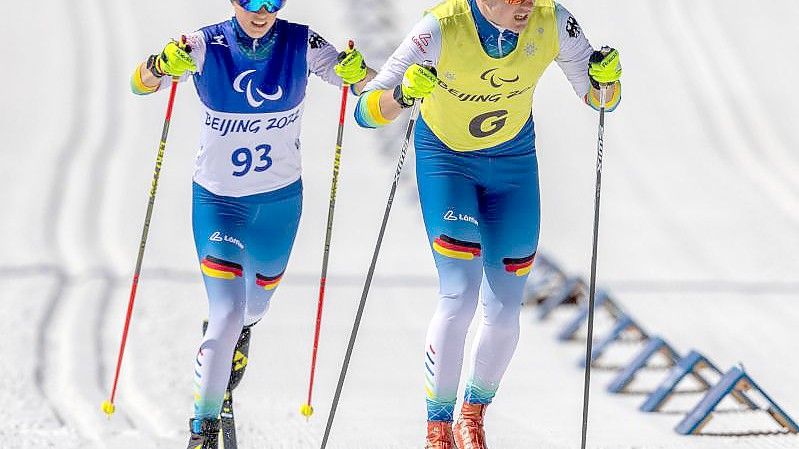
x,y
480,101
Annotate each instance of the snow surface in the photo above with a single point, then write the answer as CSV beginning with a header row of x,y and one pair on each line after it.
x,y
699,234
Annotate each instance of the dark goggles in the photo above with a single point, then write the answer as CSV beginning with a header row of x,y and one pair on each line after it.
x,y
272,6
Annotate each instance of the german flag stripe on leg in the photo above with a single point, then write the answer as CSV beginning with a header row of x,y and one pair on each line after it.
x,y
220,269
520,267
268,283
456,249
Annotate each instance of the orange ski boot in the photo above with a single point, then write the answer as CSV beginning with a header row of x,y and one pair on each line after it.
x,y
468,429
439,435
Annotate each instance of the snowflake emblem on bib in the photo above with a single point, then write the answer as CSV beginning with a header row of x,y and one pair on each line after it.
x,y
450,76
530,49
541,31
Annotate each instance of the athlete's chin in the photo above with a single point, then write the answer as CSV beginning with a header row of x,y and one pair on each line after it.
x,y
519,25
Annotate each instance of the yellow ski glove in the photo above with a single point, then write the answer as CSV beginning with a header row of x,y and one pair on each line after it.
x,y
418,82
174,60
604,67
351,66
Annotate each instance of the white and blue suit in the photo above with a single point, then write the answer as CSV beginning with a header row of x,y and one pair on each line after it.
x,y
247,192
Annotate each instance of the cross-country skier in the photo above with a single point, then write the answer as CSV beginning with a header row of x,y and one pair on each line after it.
x,y
250,73
478,175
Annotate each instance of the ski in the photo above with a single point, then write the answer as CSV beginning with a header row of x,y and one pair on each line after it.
x,y
228,427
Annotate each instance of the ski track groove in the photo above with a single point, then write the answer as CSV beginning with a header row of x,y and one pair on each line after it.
x,y
93,209
73,145
54,211
748,109
712,76
40,372
100,163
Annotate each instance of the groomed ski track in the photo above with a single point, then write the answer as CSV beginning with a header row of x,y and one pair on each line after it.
x,y
698,242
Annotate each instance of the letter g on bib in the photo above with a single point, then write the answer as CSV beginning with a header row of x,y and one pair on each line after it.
x,y
488,124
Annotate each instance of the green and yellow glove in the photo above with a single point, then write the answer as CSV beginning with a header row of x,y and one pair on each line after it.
x,y
417,83
604,67
351,67
174,60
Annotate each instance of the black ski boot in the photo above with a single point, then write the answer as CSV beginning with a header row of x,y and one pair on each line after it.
x,y
240,356
204,434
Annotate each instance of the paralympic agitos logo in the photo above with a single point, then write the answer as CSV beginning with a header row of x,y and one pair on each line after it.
x,y
254,102
495,79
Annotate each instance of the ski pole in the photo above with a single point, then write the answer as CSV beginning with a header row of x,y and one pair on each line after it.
x,y
370,274
592,288
108,406
307,409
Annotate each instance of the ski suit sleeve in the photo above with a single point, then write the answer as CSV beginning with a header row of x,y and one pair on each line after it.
x,y
197,43
575,51
421,46
322,58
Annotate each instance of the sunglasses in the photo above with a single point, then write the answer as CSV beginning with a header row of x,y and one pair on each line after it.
x,y
514,2
272,6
